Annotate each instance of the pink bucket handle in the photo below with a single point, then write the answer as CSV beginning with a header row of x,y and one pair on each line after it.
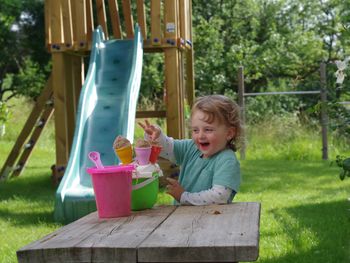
x,y
111,169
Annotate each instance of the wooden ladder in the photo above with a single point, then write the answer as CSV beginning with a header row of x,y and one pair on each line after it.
x,y
30,133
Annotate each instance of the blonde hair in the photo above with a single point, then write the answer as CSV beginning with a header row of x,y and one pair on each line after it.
x,y
225,111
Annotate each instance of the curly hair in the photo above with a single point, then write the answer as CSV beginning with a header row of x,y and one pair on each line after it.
x,y
225,111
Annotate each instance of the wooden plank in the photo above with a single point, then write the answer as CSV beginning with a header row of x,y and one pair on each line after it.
x,y
67,23
33,251
115,19
190,85
190,77
156,33
80,24
56,22
171,21
91,239
175,100
141,17
129,22
184,19
74,82
89,21
181,92
150,114
101,16
173,73
48,38
27,129
215,233
69,100
58,83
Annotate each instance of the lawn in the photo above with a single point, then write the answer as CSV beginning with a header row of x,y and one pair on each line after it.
x,y
305,211
305,208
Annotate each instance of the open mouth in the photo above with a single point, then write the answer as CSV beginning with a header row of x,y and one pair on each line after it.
x,y
204,145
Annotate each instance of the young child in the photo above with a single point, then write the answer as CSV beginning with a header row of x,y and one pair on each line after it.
x,y
209,169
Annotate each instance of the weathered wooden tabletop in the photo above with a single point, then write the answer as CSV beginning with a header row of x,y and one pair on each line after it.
x,y
215,233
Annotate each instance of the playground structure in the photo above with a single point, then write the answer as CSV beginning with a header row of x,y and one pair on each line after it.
x,y
165,26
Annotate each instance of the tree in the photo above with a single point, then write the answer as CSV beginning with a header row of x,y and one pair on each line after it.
x,y
24,62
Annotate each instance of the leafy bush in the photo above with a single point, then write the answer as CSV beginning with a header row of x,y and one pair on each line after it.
x,y
260,108
344,164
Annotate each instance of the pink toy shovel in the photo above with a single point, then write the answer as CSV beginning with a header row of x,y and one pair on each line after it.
x,y
95,158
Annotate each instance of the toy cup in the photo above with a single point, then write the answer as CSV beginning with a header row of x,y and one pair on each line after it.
x,y
124,154
155,151
142,155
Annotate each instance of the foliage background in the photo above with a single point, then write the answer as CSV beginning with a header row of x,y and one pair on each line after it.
x,y
280,44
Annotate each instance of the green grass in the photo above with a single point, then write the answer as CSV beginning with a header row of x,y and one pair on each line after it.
x,y
305,212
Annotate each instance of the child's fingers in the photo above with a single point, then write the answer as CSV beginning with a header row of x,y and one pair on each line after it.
x,y
153,128
150,129
172,181
147,127
142,125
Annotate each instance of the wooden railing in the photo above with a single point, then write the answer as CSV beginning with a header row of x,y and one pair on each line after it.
x,y
163,23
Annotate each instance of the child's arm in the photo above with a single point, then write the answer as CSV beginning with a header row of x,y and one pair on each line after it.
x,y
152,131
218,194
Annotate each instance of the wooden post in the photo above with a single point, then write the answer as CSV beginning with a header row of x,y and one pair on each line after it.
x,y
141,18
48,39
80,24
56,22
73,82
241,104
175,99
114,13
184,14
189,59
101,16
155,23
58,84
89,20
181,93
67,22
129,21
324,116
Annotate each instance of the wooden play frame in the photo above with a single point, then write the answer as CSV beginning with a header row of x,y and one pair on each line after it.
x,y
69,25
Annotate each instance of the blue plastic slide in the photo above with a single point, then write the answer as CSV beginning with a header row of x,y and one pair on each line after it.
x,y
107,108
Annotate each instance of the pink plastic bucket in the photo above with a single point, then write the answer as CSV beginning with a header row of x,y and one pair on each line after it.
x,y
112,186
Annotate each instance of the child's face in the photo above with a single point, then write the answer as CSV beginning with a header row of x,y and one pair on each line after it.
x,y
210,138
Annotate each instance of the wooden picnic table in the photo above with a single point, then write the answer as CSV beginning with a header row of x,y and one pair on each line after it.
x,y
214,233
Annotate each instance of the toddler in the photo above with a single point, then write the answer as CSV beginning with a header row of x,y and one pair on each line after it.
x,y
209,169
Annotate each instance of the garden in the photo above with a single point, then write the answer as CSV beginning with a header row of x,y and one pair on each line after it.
x,y
305,200
305,207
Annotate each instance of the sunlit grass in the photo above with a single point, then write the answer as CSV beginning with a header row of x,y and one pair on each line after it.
x,y
305,213
288,139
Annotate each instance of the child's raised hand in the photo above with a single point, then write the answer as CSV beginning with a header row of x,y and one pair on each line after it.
x,y
152,131
174,189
